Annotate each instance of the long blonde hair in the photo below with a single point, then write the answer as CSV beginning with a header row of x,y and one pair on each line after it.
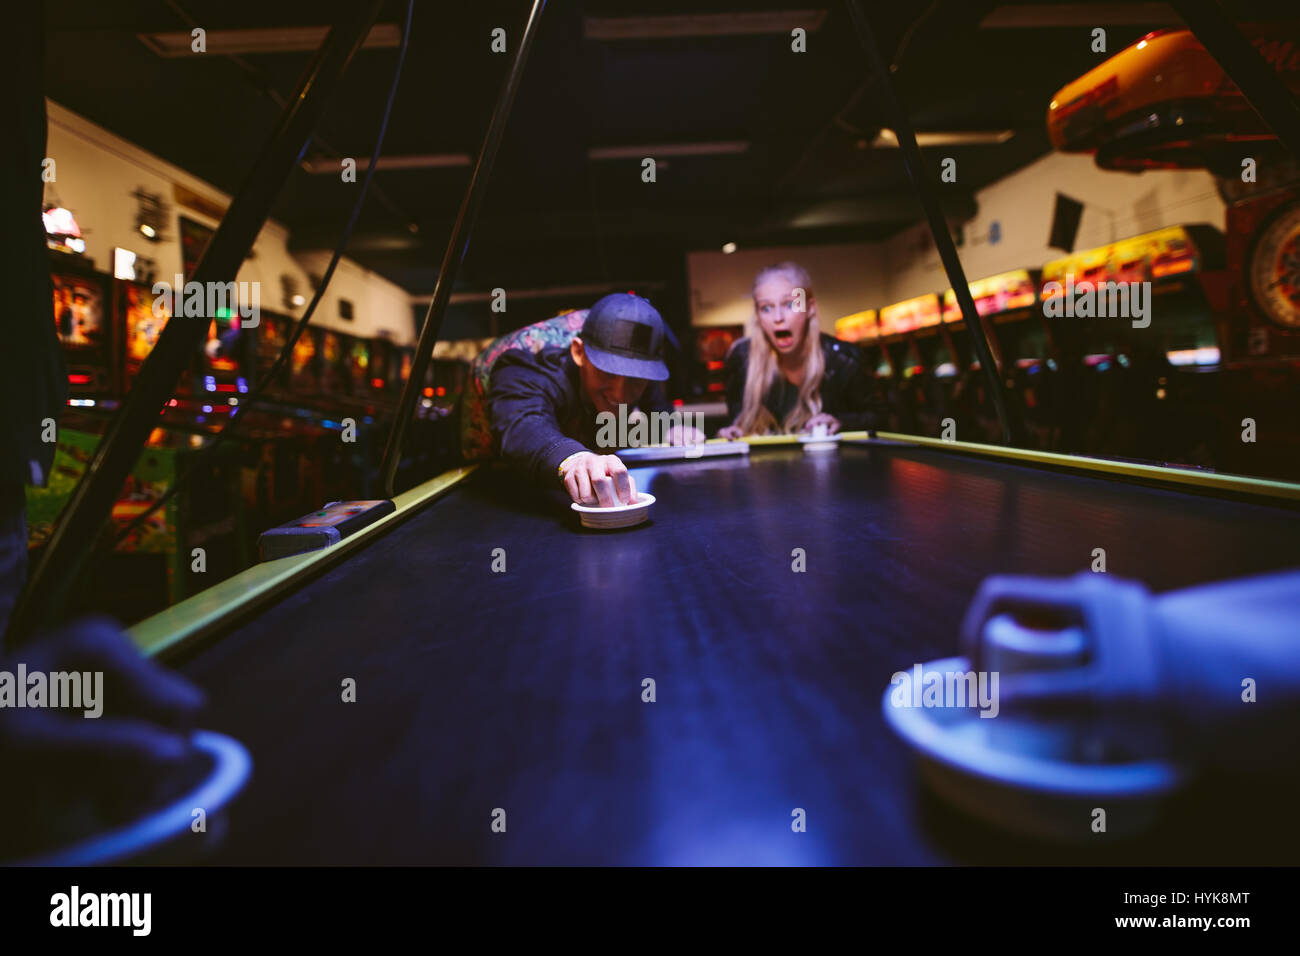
x,y
762,370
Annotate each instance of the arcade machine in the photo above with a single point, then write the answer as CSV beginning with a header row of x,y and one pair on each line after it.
x,y
141,324
325,414
863,330
909,329
384,374
1007,304
142,316
357,362
302,423
82,316
712,343
270,337
405,357
284,427
1146,382
355,401
332,374
435,428
443,381
227,362
1165,103
151,567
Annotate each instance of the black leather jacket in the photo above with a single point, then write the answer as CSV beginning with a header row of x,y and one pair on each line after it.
x,y
539,413
846,390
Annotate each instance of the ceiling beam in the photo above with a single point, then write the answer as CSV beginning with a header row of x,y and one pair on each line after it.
x,y
698,25
720,148
1026,16
545,292
324,166
695,227
173,44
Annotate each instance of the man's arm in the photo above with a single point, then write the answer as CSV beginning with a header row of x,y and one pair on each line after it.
x,y
523,404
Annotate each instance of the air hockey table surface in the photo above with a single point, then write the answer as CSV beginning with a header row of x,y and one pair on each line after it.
x,y
482,690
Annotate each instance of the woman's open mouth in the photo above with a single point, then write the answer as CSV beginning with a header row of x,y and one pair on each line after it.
x,y
782,336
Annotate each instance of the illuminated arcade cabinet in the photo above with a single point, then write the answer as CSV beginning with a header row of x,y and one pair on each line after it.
x,y
1165,103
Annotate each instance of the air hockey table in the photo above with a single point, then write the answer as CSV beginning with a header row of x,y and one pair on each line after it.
x,y
500,715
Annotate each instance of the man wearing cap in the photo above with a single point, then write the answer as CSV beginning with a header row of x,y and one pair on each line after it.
x,y
543,406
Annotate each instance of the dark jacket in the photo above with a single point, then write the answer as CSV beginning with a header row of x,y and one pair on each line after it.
x,y
846,389
539,413
33,380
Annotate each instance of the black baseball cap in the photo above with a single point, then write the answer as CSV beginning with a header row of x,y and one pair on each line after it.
x,y
624,335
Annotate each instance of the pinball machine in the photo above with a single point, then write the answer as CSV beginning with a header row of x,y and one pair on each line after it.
x,y
144,561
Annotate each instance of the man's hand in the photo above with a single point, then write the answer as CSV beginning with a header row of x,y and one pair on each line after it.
x,y
821,418
598,480
731,433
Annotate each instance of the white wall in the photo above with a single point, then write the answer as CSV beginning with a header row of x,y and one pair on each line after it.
x,y
95,174
378,306
844,276
1116,205
852,277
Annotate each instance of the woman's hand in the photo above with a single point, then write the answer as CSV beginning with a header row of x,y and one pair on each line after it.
x,y
821,418
681,435
731,433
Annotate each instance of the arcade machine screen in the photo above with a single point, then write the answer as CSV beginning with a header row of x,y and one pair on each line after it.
x,y
358,367
333,370
382,376
80,317
271,335
225,362
304,364
711,347
443,381
141,323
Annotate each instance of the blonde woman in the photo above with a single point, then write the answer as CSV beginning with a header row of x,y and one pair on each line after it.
x,y
785,375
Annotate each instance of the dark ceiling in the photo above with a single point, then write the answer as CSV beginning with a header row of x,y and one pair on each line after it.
x,y
553,216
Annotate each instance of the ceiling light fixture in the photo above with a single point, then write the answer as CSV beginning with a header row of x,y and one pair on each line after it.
x,y
722,148
262,40
888,139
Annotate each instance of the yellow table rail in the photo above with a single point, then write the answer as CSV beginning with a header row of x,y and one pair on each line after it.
x,y
207,611
203,613
1236,484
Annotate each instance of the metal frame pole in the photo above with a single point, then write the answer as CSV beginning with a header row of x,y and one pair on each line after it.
x,y
454,255
933,214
